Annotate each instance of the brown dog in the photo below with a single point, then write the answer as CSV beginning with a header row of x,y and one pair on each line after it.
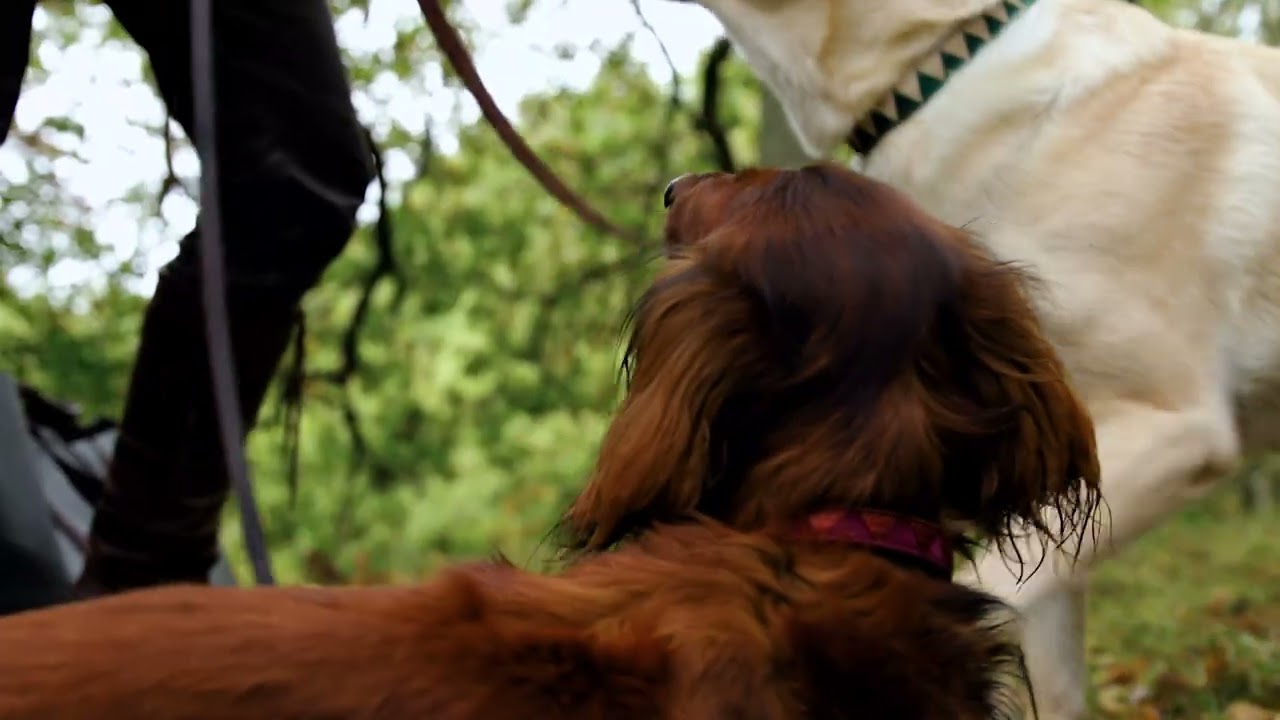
x,y
825,384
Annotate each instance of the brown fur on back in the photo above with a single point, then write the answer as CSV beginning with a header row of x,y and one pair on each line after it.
x,y
696,621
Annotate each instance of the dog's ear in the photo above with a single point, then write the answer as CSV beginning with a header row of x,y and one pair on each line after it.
x,y
690,347
1020,429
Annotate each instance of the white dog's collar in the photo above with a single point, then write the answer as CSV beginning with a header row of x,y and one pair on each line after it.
x,y
932,71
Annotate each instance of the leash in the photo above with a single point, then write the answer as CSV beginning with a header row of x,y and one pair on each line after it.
x,y
213,292
450,43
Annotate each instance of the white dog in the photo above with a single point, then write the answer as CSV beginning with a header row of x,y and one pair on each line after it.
x,y
1135,167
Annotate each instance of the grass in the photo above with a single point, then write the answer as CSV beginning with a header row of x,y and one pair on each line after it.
x,y
1186,623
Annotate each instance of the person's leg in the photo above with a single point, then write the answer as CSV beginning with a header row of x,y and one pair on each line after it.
x,y
293,168
15,47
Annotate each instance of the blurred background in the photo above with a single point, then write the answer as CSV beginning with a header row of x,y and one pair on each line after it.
x,y
449,390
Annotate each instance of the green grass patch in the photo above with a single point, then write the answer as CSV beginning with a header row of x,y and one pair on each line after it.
x,y
1186,623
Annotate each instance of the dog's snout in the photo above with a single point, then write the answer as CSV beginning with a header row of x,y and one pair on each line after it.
x,y
669,195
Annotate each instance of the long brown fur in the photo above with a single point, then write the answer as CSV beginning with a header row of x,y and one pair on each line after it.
x,y
814,342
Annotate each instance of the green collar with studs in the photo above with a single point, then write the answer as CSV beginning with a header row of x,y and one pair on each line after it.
x,y
932,72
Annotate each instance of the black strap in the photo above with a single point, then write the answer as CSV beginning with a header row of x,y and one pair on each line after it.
x,y
213,291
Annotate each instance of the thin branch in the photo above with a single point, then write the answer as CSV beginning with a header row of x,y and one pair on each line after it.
x,y
709,120
596,273
291,403
385,266
171,180
660,148
662,46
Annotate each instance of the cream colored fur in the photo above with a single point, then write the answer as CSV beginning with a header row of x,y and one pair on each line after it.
x,y
1136,168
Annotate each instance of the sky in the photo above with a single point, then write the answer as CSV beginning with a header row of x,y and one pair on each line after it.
x,y
96,86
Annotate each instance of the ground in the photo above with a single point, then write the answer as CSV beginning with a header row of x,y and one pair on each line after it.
x,y
1186,623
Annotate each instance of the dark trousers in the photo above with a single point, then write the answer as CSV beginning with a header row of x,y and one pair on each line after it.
x,y
293,168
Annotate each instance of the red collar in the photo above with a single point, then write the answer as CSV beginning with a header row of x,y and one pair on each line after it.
x,y
924,541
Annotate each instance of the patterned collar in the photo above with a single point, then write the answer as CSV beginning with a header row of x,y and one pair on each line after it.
x,y
920,540
932,72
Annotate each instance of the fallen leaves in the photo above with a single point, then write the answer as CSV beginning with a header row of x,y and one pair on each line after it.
x,y
1142,689
1249,711
1186,626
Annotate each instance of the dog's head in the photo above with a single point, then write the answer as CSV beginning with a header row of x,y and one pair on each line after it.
x,y
829,61
816,341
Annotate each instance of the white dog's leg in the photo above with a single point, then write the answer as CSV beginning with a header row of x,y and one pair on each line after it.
x,y
1053,642
1153,463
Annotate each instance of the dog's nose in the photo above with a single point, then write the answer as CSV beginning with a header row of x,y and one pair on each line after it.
x,y
669,195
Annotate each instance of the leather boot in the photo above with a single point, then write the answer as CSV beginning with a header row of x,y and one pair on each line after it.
x,y
158,519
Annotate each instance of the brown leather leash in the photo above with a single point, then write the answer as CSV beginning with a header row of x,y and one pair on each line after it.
x,y
450,43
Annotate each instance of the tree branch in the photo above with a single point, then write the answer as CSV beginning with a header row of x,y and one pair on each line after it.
x,y
708,121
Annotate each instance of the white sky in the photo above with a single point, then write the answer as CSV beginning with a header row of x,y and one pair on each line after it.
x,y
90,83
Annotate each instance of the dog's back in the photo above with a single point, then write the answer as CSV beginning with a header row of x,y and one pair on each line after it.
x,y
306,653
690,623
